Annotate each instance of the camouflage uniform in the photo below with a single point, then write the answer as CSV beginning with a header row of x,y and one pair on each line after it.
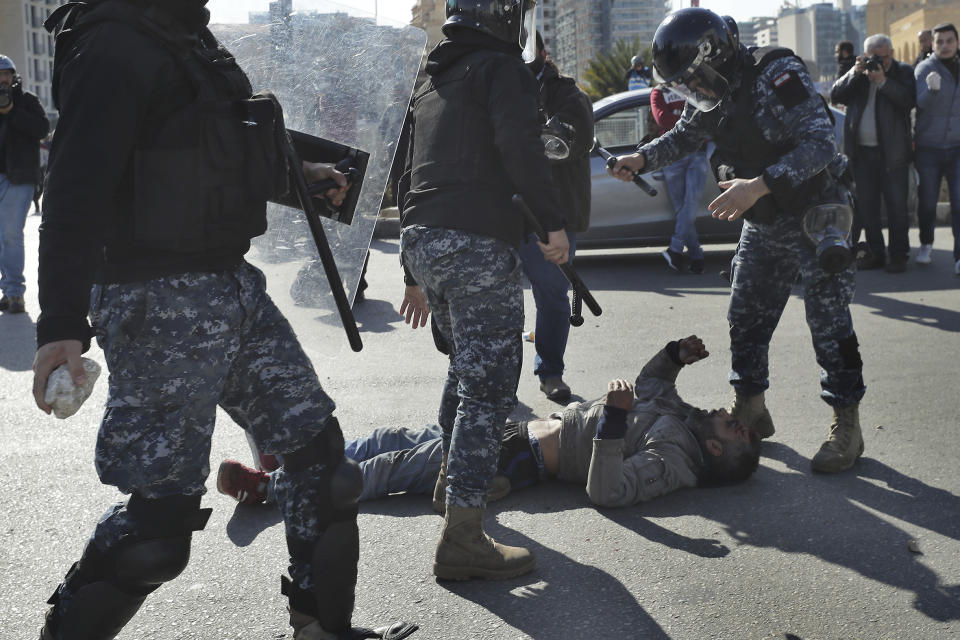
x,y
473,284
179,346
770,255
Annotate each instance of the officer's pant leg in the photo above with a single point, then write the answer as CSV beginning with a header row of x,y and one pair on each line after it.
x,y
154,441
827,300
550,289
487,318
766,267
479,280
272,392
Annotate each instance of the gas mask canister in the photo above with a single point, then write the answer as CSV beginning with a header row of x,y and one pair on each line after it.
x,y
827,227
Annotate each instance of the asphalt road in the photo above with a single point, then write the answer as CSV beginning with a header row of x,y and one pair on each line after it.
x,y
787,555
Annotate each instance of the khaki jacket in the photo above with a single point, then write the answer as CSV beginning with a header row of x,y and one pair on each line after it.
x,y
658,454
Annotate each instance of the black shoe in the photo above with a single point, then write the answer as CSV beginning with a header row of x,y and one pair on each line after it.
x,y
870,262
673,258
4,303
14,304
696,265
897,265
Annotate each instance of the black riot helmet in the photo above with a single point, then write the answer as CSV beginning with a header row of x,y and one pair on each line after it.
x,y
506,20
690,48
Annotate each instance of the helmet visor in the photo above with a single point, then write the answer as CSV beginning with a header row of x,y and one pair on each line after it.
x,y
528,34
699,83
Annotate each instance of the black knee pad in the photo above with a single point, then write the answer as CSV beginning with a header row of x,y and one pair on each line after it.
x,y
850,352
106,588
326,448
517,461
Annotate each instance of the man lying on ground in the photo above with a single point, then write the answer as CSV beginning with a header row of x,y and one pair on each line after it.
x,y
634,444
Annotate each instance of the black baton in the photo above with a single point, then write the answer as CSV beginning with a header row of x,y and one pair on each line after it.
x,y
580,290
638,179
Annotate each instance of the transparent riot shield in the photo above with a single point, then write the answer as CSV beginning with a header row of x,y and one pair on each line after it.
x,y
344,78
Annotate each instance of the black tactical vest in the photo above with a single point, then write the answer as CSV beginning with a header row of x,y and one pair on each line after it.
x,y
444,105
742,147
208,161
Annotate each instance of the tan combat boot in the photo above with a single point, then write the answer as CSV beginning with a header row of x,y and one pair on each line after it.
x,y
845,443
499,489
465,551
752,413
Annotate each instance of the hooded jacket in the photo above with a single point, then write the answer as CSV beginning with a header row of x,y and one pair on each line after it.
x,y
475,142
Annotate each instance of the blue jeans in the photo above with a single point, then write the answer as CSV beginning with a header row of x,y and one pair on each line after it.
x,y
873,180
553,307
394,460
933,165
14,205
685,179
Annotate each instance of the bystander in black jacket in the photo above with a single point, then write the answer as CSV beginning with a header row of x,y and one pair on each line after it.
x,y
560,96
21,131
476,142
895,99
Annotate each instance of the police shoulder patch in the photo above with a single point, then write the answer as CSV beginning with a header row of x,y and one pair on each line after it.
x,y
790,89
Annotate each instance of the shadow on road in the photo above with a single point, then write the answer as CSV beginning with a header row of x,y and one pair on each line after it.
x,y
568,599
875,289
247,522
18,341
831,518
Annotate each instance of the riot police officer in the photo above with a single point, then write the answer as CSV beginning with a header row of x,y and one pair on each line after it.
x,y
475,142
778,164
158,180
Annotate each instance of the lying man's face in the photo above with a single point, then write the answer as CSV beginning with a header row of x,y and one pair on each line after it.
x,y
732,451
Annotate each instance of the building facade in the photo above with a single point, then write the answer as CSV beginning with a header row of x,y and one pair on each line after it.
x,y
27,43
903,32
585,28
813,33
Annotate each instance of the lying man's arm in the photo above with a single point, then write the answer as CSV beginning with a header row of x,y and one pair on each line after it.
x,y
659,375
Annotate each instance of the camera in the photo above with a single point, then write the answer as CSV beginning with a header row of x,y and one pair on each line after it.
x,y
874,63
6,97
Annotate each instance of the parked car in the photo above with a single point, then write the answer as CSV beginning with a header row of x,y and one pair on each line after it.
x,y
621,214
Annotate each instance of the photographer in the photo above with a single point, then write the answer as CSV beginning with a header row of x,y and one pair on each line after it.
x,y
879,93
23,123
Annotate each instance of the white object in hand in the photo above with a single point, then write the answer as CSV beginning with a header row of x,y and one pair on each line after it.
x,y
933,81
66,397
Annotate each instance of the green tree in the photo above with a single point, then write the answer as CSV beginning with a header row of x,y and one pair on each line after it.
x,y
606,73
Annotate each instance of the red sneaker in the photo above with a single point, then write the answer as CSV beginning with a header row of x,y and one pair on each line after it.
x,y
267,462
240,482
